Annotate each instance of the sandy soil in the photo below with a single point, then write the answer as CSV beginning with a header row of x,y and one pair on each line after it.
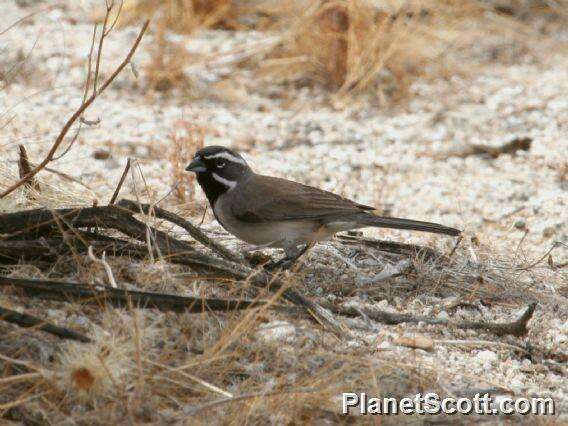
x,y
516,207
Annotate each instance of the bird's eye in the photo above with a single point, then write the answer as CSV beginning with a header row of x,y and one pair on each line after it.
x,y
220,164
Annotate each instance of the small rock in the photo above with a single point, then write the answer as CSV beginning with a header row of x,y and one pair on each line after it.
x,y
548,232
487,357
276,331
81,321
416,341
101,154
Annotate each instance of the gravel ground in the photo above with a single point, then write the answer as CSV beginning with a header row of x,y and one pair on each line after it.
x,y
516,206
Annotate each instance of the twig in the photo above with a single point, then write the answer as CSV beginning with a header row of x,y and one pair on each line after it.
x,y
208,405
195,379
387,273
76,115
511,147
102,261
392,247
544,256
41,222
20,378
482,343
23,18
100,48
516,328
120,183
182,223
89,294
26,320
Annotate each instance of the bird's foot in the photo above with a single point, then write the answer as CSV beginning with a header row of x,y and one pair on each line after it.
x,y
287,261
257,258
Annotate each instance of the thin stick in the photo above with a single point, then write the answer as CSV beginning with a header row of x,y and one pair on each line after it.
x,y
8,405
195,379
89,294
544,256
20,378
516,328
190,228
482,343
218,402
28,321
23,18
102,261
76,115
120,183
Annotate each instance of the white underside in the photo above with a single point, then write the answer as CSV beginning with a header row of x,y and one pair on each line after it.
x,y
284,234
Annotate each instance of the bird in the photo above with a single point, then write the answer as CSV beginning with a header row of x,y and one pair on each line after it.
x,y
271,212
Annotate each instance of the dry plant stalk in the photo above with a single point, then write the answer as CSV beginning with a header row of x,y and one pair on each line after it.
x,y
87,99
165,69
186,139
25,168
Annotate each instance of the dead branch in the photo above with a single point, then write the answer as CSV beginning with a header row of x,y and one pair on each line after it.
x,y
67,126
100,295
192,230
392,247
511,147
516,328
30,321
40,222
50,249
120,182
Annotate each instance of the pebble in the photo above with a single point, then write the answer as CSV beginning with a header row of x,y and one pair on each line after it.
x,y
487,357
276,331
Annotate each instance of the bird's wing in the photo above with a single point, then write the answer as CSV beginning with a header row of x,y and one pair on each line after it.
x,y
268,199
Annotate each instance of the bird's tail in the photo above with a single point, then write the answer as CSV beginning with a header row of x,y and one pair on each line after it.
x,y
369,219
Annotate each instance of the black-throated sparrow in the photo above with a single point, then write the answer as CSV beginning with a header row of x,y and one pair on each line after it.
x,y
272,212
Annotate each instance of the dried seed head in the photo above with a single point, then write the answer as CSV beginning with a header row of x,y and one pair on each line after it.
x,y
88,372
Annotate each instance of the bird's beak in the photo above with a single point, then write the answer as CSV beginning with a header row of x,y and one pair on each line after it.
x,y
196,166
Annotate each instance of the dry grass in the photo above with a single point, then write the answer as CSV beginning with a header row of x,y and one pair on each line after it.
x,y
258,366
186,139
361,46
165,71
182,16
350,46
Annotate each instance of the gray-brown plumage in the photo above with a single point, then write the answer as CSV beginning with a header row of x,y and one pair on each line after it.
x,y
273,212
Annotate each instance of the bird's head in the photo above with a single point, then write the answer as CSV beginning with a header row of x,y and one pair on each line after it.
x,y
218,170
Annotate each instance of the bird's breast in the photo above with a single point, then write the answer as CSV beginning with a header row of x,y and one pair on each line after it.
x,y
277,233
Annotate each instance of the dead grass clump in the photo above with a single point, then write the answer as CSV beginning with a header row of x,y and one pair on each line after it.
x,y
166,67
89,372
182,16
358,46
186,139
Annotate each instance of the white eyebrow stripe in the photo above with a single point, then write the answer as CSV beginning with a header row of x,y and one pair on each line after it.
x,y
226,156
228,183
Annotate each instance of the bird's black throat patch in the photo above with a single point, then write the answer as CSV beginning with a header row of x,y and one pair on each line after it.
x,y
212,188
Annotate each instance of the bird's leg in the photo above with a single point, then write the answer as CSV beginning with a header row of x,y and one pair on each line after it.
x,y
293,253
